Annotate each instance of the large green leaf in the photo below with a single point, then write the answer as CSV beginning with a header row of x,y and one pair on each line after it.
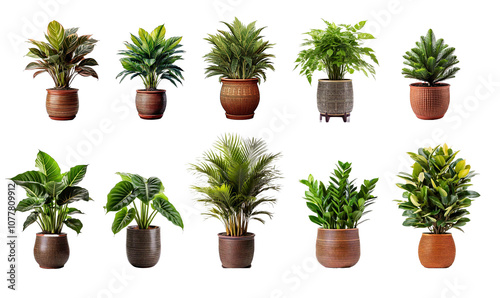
x,y
146,189
74,224
29,203
72,194
54,188
30,219
120,196
75,175
122,219
33,182
165,208
47,165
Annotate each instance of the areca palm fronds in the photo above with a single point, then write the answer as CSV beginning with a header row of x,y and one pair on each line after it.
x,y
151,57
432,61
63,57
238,172
238,53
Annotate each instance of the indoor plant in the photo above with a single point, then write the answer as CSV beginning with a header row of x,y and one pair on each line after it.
x,y
338,208
432,62
239,58
238,173
337,50
143,239
63,57
49,193
436,196
152,58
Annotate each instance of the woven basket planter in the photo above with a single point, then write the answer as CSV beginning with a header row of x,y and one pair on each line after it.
x,y
239,98
335,98
429,103
62,104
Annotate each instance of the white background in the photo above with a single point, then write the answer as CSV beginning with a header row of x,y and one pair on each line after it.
x,y
108,135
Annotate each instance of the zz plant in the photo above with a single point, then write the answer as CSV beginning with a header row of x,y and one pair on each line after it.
x,y
338,205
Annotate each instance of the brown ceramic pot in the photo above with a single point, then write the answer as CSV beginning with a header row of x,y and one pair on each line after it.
x,y
51,250
429,103
236,252
143,246
335,99
62,104
436,250
338,248
151,104
239,98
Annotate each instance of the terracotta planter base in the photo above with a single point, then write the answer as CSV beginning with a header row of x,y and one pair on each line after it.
x,y
236,252
239,98
62,118
429,103
51,250
338,248
62,104
429,118
150,117
239,117
151,104
436,250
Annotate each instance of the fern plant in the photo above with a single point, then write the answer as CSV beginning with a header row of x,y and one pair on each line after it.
x,y
152,58
239,53
432,61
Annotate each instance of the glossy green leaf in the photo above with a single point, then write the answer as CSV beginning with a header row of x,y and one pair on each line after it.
x,y
165,208
75,175
120,196
48,166
74,224
122,219
72,194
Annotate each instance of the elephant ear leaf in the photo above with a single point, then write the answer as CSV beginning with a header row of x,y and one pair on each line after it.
x,y
165,208
29,203
121,196
72,194
48,166
75,175
30,219
32,182
146,189
122,219
74,224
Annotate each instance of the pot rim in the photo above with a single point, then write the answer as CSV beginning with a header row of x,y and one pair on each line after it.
x,y
70,90
441,85
132,227
239,80
439,235
335,81
51,235
354,229
244,237
151,91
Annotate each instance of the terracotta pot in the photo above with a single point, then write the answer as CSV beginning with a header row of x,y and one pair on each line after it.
x,y
236,252
429,103
51,250
143,246
338,248
335,99
151,104
62,104
436,250
239,98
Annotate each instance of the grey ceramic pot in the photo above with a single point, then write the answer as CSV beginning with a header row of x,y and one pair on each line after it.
x,y
143,246
335,98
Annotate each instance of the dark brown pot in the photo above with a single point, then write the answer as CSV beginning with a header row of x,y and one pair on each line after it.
x,y
151,104
239,98
335,98
143,246
236,252
62,104
429,103
338,248
51,250
436,250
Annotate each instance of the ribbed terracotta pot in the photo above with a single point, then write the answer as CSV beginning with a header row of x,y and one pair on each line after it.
x,y
429,103
236,252
62,104
51,250
143,246
151,104
338,248
436,250
335,99
239,98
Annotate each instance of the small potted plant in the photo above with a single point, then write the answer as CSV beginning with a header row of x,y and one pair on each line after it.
x,y
338,207
49,194
238,173
431,62
239,58
143,239
338,51
63,58
436,196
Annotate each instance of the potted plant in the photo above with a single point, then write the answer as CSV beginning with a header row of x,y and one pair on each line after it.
x,y
143,239
152,58
238,173
431,62
436,196
49,194
63,58
338,207
337,50
239,58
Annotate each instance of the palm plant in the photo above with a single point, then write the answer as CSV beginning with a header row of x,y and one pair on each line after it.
x,y
432,61
238,172
238,53
63,57
152,58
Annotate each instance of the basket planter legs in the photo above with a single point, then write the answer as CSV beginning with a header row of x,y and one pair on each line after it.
x,y
143,246
338,248
236,252
436,250
239,98
335,99
429,103
151,104
51,250
62,104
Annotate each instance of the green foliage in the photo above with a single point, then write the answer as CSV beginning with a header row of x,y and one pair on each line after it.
x,y
436,192
339,205
337,50
152,58
238,53
49,193
431,61
238,171
63,57
152,201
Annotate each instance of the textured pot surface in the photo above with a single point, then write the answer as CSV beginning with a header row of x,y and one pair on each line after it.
x,y
335,98
436,250
62,104
51,250
236,252
239,98
338,248
429,103
151,104
143,246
